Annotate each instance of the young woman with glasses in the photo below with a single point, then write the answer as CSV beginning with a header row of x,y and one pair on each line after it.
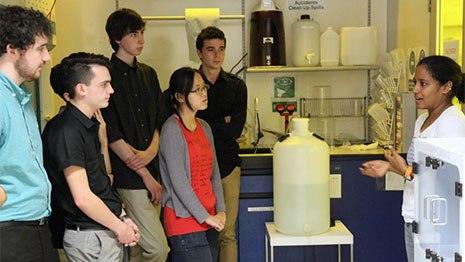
x,y
192,196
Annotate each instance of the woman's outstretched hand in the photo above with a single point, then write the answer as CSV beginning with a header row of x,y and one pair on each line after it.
x,y
375,168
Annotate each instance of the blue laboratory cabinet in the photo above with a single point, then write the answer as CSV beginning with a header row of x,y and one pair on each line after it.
x,y
370,213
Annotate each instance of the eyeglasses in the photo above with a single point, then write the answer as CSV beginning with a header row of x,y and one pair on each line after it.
x,y
200,90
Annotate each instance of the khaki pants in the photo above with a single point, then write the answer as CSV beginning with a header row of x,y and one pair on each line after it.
x,y
152,245
228,244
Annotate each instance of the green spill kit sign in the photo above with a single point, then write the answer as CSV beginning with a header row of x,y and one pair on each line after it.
x,y
284,87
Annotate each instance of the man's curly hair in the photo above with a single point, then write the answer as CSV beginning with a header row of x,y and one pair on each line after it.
x,y
209,33
19,27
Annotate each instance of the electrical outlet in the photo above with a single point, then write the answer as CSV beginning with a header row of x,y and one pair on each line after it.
x,y
335,181
393,182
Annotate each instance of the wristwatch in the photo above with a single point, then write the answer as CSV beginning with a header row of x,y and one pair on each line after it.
x,y
408,173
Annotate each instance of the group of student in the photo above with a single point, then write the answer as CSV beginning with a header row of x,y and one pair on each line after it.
x,y
121,147
118,149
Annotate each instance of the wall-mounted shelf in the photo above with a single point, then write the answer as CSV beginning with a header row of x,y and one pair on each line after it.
x,y
270,69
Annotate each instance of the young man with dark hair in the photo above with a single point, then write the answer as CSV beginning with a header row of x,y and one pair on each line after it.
x,y
24,234
226,113
132,133
77,161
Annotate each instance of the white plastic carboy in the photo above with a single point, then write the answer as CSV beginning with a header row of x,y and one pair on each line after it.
x,y
301,182
305,42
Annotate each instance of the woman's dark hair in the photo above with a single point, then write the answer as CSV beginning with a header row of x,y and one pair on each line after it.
x,y
122,22
444,69
19,27
181,82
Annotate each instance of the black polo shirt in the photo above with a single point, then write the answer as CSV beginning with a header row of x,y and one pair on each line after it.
x,y
226,97
132,115
71,139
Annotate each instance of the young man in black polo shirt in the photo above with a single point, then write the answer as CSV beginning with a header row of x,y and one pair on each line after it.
x,y
75,156
132,133
226,113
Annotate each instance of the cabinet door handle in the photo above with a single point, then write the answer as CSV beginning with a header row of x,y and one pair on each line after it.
x,y
260,209
426,205
438,218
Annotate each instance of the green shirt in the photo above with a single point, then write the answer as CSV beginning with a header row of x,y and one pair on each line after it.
x,y
22,173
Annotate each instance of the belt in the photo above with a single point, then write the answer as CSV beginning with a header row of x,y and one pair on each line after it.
x,y
39,222
84,228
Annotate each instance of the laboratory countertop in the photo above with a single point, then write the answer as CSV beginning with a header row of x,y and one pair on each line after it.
x,y
334,151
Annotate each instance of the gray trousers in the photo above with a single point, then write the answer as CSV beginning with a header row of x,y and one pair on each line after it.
x,y
409,248
92,245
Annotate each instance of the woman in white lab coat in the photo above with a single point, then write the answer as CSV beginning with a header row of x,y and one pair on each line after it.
x,y
437,80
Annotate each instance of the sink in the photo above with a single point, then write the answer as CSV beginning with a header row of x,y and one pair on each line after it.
x,y
254,151
254,161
